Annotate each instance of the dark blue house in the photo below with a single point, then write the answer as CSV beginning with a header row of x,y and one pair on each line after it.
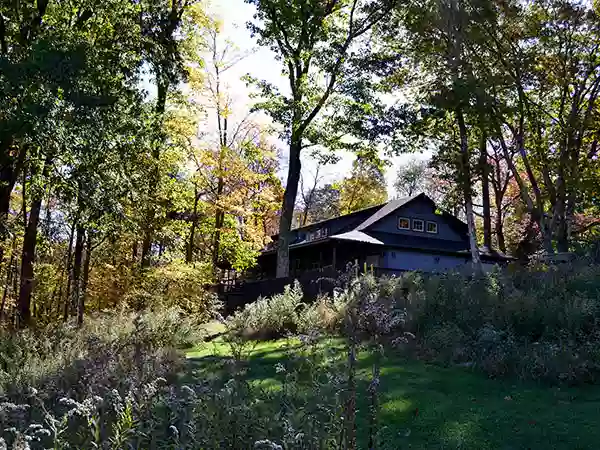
x,y
407,234
404,234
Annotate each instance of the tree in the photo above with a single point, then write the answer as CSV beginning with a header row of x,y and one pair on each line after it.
x,y
411,178
312,39
319,203
172,32
61,69
365,187
57,60
308,198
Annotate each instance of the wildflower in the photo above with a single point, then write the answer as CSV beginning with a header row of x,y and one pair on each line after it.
x,y
265,443
373,385
65,401
174,431
279,368
188,391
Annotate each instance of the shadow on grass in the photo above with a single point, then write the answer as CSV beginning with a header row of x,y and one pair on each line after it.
x,y
424,406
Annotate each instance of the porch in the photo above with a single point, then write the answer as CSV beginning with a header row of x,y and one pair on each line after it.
x,y
316,267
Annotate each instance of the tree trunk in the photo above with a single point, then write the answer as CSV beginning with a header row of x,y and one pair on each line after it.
x,y
465,174
86,276
499,226
134,252
77,260
287,210
10,169
219,221
67,308
189,254
9,273
485,193
48,219
147,241
563,229
27,261
154,179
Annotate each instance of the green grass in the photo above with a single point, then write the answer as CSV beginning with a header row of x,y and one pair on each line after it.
x,y
430,407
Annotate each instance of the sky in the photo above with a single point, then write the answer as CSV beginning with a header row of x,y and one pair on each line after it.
x,y
260,62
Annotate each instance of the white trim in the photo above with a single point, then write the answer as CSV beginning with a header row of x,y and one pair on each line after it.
x,y
433,223
403,218
422,225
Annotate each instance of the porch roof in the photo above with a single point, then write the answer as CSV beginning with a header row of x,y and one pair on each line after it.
x,y
357,236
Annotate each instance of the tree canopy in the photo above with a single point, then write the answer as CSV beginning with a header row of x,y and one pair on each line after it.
x,y
124,155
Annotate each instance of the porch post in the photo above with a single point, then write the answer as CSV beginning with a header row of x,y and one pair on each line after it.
x,y
333,258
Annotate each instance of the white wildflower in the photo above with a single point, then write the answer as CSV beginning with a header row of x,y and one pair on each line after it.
x,y
267,444
188,391
279,368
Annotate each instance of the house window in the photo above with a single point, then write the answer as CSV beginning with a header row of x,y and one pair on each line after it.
x,y
432,227
418,225
403,223
321,233
372,260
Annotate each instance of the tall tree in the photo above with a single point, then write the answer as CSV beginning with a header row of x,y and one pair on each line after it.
x,y
365,187
312,39
168,28
411,178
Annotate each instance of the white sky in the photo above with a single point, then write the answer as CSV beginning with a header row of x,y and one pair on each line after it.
x,y
261,63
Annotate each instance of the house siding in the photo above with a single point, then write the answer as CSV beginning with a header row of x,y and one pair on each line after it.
x,y
400,259
418,210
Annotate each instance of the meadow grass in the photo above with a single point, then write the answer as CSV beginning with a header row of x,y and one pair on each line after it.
x,y
426,406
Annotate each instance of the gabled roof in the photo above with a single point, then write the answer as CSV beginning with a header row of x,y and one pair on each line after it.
x,y
354,227
387,209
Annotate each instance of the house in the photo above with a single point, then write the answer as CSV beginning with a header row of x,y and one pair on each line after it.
x,y
406,234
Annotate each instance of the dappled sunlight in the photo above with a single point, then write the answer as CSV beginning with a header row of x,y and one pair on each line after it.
x,y
397,406
426,406
460,433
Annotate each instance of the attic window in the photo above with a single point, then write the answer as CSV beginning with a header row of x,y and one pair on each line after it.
x,y
432,227
418,225
403,223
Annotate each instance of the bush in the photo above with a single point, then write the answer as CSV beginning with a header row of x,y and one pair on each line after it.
x,y
537,323
116,384
175,285
325,315
269,318
110,350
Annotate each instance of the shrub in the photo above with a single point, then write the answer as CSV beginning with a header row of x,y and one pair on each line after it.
x,y
537,323
326,315
175,285
110,350
133,403
269,318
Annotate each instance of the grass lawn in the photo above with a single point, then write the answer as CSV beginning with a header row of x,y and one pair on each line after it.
x,y
426,407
